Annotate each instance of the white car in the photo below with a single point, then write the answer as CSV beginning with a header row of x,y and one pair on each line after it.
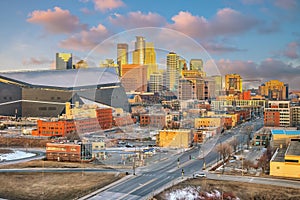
x,y
200,175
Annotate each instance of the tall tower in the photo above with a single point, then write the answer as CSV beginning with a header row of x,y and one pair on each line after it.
x,y
150,59
122,54
196,64
172,73
139,52
156,82
63,61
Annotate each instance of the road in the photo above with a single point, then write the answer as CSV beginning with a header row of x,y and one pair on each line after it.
x,y
151,179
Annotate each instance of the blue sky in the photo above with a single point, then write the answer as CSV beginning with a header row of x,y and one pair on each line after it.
x,y
256,38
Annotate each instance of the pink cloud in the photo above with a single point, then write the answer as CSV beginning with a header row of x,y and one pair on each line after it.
x,y
36,61
226,22
57,21
104,5
86,39
137,19
286,4
291,50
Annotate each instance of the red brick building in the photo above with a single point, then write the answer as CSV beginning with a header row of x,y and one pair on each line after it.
x,y
105,118
272,118
58,128
68,152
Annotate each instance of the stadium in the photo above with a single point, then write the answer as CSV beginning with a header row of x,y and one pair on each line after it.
x,y
44,93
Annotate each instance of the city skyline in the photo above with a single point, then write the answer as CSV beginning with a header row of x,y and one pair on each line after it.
x,y
253,38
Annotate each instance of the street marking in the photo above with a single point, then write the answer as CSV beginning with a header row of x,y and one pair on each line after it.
x,y
122,197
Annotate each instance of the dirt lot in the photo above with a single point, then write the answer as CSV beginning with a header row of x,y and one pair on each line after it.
x,y
243,191
54,164
58,186
22,142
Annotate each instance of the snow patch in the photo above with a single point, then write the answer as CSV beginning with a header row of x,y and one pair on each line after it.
x,y
16,155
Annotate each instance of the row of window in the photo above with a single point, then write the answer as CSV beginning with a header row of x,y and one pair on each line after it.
x,y
46,108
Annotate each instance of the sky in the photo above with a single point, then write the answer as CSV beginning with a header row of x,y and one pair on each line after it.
x,y
258,39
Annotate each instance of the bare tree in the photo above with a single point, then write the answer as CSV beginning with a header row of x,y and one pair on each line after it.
x,y
247,164
263,162
234,143
248,130
225,151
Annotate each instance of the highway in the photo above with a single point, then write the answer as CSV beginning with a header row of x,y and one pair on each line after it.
x,y
153,178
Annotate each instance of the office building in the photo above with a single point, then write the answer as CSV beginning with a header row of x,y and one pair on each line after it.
x,y
69,152
233,83
122,54
110,63
176,138
150,59
278,113
139,52
274,90
134,77
218,84
295,112
156,82
182,65
63,61
172,73
196,64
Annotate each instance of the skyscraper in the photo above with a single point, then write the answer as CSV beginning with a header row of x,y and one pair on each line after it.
x,y
122,54
150,59
196,64
172,73
218,84
156,82
139,52
63,61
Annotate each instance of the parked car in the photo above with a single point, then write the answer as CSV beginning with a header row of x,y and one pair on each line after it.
x,y
200,175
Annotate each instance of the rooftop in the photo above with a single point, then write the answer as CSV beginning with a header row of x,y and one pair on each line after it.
x,y
294,148
285,132
67,79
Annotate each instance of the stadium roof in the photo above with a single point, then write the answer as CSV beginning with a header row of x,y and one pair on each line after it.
x,y
66,79
285,132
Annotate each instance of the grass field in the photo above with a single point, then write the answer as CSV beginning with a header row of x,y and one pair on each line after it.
x,y
50,186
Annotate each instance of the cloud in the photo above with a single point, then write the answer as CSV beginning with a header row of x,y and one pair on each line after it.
x,y
104,5
250,2
137,19
286,4
57,21
36,61
292,50
218,48
267,28
86,11
86,39
266,70
226,22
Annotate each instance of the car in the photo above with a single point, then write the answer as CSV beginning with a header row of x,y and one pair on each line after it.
x,y
200,175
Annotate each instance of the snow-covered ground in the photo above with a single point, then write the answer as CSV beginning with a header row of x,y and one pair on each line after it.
x,y
15,155
191,193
